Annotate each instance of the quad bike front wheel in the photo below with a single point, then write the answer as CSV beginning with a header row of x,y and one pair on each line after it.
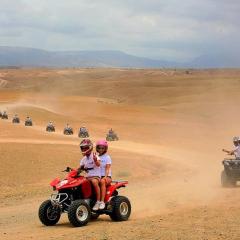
x,y
121,208
79,213
48,214
109,138
15,121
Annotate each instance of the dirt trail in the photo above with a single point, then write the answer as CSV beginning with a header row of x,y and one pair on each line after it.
x,y
35,141
21,104
3,83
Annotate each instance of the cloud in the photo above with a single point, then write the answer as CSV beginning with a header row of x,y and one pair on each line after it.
x,y
172,30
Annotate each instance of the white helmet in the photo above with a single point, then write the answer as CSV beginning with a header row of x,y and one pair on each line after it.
x,y
236,139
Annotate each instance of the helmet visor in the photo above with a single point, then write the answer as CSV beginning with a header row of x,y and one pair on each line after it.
x,y
84,148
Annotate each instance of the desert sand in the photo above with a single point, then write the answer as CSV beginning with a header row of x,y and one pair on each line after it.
x,y
172,126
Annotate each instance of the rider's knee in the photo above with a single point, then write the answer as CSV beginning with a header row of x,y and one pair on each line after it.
x,y
94,182
102,182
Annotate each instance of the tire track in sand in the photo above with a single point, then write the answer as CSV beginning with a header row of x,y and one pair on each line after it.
x,y
36,141
3,83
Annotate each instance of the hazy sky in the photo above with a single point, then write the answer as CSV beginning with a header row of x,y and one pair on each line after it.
x,y
161,29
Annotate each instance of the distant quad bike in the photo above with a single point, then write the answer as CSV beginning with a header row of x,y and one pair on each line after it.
x,y
68,131
75,196
4,115
83,133
0,114
50,128
28,122
112,136
16,119
231,173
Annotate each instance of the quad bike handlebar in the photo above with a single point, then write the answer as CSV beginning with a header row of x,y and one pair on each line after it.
x,y
68,169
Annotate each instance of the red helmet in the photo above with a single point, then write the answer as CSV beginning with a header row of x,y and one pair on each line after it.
x,y
86,146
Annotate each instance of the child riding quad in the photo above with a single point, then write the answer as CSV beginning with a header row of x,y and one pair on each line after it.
x,y
75,196
16,119
28,122
83,132
68,130
231,173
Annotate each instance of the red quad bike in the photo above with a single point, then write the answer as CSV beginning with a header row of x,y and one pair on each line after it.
x,y
76,197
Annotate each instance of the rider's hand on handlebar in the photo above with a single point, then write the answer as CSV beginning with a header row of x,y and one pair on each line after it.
x,y
68,169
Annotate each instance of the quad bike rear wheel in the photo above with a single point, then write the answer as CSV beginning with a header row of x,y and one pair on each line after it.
x,y
15,120
68,132
226,181
79,213
121,208
109,138
50,129
48,214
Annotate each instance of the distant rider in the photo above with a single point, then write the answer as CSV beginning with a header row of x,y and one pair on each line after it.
x,y
111,132
83,129
236,151
91,163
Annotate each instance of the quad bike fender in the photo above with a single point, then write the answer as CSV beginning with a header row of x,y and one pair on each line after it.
x,y
86,189
112,188
55,182
75,182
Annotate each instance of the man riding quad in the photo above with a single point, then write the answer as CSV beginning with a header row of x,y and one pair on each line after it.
x,y
28,121
83,132
68,130
231,173
111,136
4,115
50,127
16,119
236,150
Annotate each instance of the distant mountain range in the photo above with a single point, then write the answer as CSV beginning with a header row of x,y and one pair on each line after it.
x,y
30,57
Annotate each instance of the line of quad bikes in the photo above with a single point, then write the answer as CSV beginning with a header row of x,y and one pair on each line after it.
x,y
82,133
75,196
